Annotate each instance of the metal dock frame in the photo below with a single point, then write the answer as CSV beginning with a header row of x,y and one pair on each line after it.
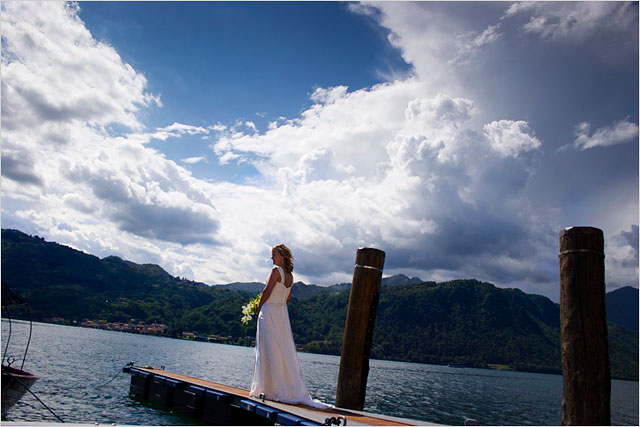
x,y
214,407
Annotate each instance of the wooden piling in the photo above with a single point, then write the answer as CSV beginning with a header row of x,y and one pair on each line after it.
x,y
358,330
586,379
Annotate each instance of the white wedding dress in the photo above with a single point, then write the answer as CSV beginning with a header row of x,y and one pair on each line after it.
x,y
277,371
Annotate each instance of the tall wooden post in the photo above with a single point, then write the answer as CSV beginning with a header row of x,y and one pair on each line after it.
x,y
358,330
586,379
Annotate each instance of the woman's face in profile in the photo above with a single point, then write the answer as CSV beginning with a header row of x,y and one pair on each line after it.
x,y
276,257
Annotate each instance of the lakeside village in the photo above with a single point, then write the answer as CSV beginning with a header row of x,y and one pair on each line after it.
x,y
160,329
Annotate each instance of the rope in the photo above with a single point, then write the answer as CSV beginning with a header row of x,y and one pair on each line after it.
x,y
34,395
116,375
335,421
368,267
575,251
30,332
26,350
49,409
4,354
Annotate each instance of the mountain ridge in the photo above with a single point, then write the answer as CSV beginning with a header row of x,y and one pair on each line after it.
x,y
303,290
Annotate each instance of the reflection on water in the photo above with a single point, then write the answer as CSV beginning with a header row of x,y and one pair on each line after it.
x,y
75,363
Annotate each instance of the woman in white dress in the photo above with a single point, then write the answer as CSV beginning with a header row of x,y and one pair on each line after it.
x,y
277,372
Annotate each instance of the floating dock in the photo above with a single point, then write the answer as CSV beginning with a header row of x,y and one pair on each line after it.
x,y
218,404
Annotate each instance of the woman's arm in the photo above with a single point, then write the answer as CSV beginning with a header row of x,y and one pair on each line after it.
x,y
271,282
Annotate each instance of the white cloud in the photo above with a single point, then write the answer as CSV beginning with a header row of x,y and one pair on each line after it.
x,y
394,168
406,166
617,133
510,138
575,20
61,93
441,191
469,45
218,127
328,95
194,160
339,124
426,38
629,241
19,168
54,71
622,258
177,130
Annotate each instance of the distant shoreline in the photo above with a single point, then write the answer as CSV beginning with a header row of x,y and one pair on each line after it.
x,y
490,366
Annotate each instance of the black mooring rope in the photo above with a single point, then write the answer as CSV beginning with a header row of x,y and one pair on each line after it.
x,y
116,375
34,395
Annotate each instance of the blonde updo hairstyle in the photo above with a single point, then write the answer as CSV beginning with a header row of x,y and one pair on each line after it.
x,y
285,252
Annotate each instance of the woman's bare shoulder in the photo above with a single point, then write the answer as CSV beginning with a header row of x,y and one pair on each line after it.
x,y
288,280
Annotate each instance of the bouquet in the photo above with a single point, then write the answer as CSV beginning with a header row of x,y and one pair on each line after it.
x,y
250,309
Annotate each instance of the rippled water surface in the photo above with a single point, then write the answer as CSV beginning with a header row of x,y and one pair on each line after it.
x,y
75,363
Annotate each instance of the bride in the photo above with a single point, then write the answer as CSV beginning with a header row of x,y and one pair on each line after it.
x,y
277,372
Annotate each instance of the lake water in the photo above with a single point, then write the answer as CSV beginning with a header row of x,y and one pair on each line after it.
x,y
74,364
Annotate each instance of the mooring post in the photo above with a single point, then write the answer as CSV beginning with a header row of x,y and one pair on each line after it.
x,y
586,379
358,329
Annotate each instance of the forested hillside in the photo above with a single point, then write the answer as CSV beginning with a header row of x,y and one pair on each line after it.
x,y
622,307
462,321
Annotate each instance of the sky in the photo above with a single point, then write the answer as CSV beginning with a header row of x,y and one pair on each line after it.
x,y
458,137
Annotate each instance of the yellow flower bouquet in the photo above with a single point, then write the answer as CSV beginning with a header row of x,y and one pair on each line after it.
x,y
250,309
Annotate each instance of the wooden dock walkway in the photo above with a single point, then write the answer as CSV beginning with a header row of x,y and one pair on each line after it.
x,y
225,405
